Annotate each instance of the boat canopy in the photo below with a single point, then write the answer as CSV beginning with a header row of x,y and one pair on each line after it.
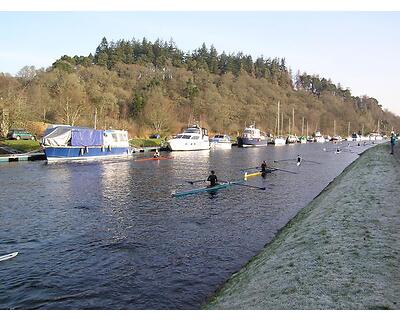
x,y
73,136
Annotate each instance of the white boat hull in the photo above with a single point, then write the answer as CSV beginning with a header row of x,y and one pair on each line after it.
x,y
221,145
188,144
279,141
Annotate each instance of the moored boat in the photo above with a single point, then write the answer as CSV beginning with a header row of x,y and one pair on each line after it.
x,y
191,139
252,137
67,143
291,139
279,141
318,137
221,141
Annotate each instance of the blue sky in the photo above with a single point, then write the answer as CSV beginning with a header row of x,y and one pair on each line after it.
x,y
358,49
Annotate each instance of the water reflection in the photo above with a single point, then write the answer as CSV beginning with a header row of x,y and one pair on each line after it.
x,y
109,234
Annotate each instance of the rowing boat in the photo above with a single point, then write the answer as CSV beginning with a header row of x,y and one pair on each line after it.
x,y
8,256
209,189
153,158
257,174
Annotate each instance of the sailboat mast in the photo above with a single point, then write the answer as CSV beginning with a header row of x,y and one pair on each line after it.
x,y
334,128
348,130
278,117
302,126
307,130
293,119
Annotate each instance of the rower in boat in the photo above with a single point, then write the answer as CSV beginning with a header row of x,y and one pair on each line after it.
x,y
298,160
213,179
156,154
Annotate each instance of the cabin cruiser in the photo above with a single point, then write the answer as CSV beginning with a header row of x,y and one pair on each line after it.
x,y
279,141
318,137
221,141
252,137
354,137
374,136
291,139
66,143
192,138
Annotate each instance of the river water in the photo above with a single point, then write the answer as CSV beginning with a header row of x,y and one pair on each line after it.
x,y
108,235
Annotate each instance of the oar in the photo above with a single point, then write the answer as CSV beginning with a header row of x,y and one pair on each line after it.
x,y
284,160
246,185
195,181
284,170
250,168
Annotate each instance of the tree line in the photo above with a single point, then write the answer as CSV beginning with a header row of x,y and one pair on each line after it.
x,y
156,87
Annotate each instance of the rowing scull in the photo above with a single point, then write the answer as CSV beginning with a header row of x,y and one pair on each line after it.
x,y
209,189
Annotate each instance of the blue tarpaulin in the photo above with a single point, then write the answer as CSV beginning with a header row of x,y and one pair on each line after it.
x,y
87,137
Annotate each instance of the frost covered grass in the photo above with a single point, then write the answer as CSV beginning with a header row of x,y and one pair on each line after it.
x,y
339,252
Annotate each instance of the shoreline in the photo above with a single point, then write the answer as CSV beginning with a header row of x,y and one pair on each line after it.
x,y
339,252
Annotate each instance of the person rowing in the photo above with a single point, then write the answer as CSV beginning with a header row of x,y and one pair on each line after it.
x,y
156,154
213,179
298,160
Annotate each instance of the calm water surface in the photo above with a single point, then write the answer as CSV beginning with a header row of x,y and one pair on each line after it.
x,y
108,235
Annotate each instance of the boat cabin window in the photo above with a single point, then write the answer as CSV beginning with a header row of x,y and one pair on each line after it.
x,y
219,136
249,131
192,130
195,137
115,137
186,136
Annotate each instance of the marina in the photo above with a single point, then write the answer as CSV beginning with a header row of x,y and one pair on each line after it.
x,y
127,244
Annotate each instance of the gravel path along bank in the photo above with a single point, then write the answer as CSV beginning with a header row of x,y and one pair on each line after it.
x,y
339,252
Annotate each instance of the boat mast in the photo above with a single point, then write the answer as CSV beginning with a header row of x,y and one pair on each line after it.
x,y
307,130
278,119
334,128
289,127
293,119
348,130
302,126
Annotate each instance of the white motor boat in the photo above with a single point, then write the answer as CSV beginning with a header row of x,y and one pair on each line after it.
x,y
221,141
191,139
319,138
279,141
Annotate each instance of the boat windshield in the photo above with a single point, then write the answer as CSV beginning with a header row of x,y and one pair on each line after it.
x,y
218,136
192,130
251,131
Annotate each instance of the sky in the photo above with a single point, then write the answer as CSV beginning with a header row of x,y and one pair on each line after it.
x,y
359,50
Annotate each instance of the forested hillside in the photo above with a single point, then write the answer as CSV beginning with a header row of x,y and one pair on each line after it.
x,y
150,87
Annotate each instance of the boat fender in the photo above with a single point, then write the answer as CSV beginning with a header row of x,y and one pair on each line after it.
x,y
81,151
103,149
109,148
86,149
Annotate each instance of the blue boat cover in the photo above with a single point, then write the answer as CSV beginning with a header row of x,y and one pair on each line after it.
x,y
87,137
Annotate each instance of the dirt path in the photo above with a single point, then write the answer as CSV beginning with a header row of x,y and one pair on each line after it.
x,y
340,252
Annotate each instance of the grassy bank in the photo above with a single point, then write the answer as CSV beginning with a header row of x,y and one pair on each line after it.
x,y
339,252
21,145
138,142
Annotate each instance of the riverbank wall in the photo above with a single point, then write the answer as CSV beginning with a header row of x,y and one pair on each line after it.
x,y
342,251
